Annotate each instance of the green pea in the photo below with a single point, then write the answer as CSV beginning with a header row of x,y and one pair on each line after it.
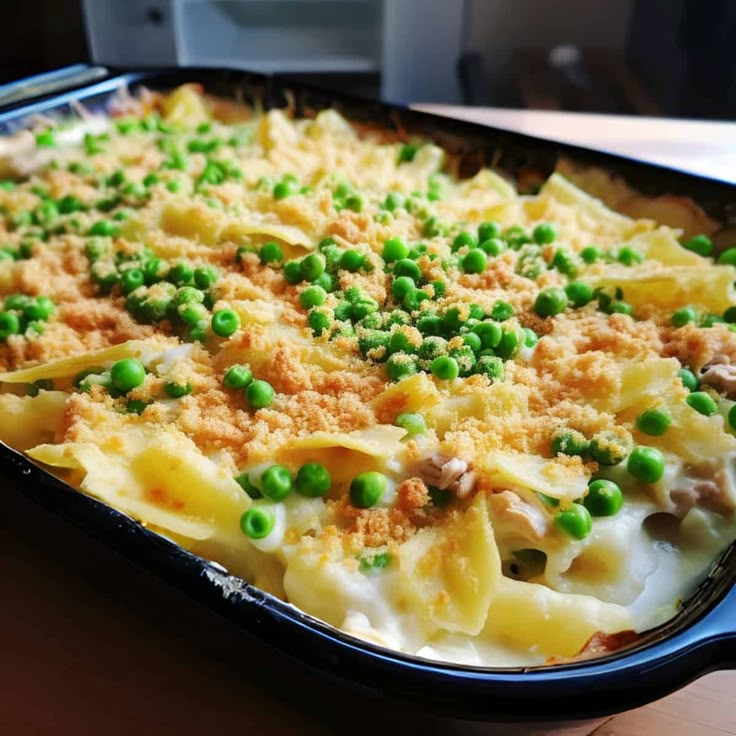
x,y
629,256
177,390
575,521
407,267
17,301
700,244
181,274
565,263
570,442
412,422
689,379
604,498
646,464
395,249
445,368
127,374
430,324
490,334
198,331
105,228
257,523
473,341
271,253
9,325
407,152
530,337
732,417
683,315
155,269
402,286
104,275
711,319
544,233
283,189
243,480
312,296
502,311
432,347
293,272
729,315
702,402
276,482
69,204
367,489
399,342
237,377
188,295
475,261
393,201
509,344
465,358
591,254
433,227
135,406
491,367
313,480
400,366
173,186
204,277
654,422
40,308
225,322
620,307
464,239
259,394
550,301
488,231
728,257
354,202
516,236
46,139
413,299
352,260
312,267
493,246
607,449
318,321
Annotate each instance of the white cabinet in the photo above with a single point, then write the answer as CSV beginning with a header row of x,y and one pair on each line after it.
x,y
413,44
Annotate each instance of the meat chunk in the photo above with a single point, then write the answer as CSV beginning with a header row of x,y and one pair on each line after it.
x,y
720,374
530,521
599,645
447,473
716,492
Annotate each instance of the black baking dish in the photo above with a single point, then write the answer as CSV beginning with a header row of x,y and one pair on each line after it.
x,y
700,639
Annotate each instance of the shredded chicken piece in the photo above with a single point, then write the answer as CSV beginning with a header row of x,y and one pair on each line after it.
x,y
720,374
716,492
447,473
530,520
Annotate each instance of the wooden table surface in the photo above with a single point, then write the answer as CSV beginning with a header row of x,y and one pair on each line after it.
x,y
78,659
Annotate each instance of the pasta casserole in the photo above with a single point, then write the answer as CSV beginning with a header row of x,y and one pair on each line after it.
x,y
444,417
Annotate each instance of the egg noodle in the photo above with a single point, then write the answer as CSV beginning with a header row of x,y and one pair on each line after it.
x,y
444,417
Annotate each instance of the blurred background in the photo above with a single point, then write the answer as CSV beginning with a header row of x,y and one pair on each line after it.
x,y
641,57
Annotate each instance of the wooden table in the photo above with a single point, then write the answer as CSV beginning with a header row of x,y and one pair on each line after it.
x,y
78,659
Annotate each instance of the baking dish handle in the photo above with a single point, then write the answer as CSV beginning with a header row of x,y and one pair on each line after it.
x,y
47,83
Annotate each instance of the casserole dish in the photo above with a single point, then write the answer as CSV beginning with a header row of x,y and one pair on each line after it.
x,y
484,689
